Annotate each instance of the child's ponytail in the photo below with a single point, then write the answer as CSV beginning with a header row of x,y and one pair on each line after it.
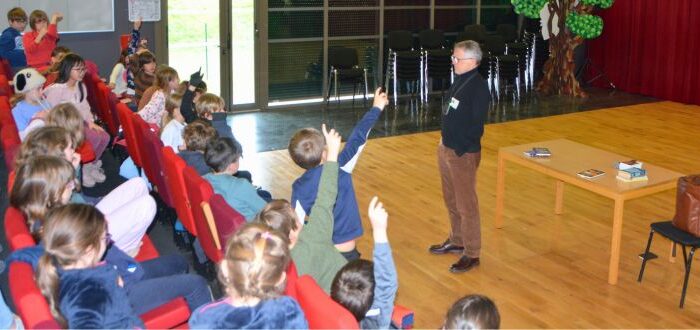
x,y
47,279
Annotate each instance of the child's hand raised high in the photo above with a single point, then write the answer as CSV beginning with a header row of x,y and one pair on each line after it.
x,y
332,143
381,99
379,219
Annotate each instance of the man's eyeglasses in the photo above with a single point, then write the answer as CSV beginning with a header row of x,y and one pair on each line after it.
x,y
456,59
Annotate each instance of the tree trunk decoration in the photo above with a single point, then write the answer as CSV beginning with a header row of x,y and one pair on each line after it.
x,y
575,23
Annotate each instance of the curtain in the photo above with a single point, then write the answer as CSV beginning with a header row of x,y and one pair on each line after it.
x,y
651,47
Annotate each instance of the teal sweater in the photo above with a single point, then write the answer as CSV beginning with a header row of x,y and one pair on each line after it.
x,y
238,193
314,252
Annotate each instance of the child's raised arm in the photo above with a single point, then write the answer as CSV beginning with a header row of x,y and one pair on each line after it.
x,y
320,227
358,137
386,281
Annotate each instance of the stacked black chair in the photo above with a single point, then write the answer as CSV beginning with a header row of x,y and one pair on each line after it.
x,y
436,60
506,72
677,236
344,67
403,62
476,32
516,46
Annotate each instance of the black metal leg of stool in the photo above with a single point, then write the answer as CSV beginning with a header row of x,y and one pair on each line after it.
x,y
688,262
644,258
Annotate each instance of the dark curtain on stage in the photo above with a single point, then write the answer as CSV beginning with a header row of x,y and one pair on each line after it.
x,y
650,47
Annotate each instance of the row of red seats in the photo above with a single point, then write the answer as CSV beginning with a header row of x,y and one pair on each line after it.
x,y
31,306
207,216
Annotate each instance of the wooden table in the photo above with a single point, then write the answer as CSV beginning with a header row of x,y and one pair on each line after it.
x,y
569,158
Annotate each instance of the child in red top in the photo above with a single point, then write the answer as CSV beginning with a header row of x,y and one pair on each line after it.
x,y
41,40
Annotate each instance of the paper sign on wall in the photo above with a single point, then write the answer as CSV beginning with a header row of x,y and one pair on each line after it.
x,y
146,10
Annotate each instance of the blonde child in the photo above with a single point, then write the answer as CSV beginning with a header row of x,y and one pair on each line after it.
x,y
253,273
166,82
173,123
29,102
210,107
37,187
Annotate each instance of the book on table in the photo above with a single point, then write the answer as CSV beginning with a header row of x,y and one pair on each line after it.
x,y
631,173
590,173
635,179
633,163
538,152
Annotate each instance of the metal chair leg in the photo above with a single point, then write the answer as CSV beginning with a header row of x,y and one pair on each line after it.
x,y
645,257
335,83
396,93
366,92
688,263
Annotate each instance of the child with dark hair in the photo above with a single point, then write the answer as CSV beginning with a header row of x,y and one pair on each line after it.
x,y
145,74
69,88
473,312
11,47
253,274
368,289
306,150
223,155
311,245
118,77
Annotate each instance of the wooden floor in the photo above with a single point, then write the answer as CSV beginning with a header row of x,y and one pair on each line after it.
x,y
542,270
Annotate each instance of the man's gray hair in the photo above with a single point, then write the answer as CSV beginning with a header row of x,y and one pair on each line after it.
x,y
471,49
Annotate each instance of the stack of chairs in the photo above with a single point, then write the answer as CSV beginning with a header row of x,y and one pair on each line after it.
x,y
436,60
506,67
403,62
518,46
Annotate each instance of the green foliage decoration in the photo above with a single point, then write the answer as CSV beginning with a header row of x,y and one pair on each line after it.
x,y
531,8
585,26
605,4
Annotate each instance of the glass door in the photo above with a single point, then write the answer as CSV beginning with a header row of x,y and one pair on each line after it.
x,y
221,38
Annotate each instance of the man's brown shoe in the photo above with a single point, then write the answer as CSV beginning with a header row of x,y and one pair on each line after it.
x,y
464,264
445,247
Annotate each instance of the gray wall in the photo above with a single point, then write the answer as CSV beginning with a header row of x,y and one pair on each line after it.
x,y
103,47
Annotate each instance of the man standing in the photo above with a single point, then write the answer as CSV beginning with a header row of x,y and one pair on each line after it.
x,y
459,154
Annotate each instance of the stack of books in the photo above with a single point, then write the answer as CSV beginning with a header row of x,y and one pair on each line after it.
x,y
538,153
628,164
632,174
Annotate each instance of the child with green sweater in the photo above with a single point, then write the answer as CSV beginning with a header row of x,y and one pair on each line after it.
x,y
311,245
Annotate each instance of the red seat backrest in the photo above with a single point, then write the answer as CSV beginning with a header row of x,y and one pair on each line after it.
x,y
292,276
227,219
7,69
176,184
199,190
10,142
5,88
105,109
150,147
90,81
30,304
321,311
16,230
125,116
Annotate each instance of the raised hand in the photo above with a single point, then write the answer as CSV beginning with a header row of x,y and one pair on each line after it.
x,y
137,24
380,99
332,143
378,217
56,17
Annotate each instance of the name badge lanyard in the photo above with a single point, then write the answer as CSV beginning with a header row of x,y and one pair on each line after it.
x,y
452,94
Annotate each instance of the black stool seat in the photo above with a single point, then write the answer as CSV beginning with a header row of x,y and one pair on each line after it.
x,y
668,230
677,236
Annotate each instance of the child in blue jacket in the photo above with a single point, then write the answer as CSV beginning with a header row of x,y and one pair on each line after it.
x,y
11,45
307,150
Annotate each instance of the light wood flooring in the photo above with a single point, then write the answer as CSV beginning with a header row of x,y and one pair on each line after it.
x,y
542,270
